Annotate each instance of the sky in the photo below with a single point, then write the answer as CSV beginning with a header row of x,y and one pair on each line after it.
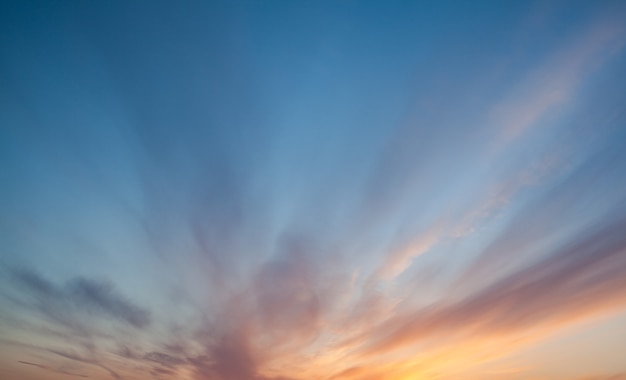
x,y
313,190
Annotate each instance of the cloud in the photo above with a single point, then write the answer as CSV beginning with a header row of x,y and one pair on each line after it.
x,y
87,360
457,224
399,260
78,299
233,360
164,359
575,282
279,313
52,369
554,84
102,298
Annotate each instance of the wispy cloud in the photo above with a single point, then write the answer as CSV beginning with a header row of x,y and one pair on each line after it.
x,y
52,369
553,85
78,299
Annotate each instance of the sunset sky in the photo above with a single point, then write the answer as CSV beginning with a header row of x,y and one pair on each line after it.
x,y
313,190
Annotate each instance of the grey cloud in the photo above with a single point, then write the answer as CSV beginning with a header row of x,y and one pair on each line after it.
x,y
103,298
47,368
87,360
67,304
164,359
162,372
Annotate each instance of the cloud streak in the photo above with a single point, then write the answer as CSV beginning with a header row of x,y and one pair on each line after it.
x,y
80,298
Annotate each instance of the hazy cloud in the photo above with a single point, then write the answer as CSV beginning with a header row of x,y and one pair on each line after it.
x,y
79,297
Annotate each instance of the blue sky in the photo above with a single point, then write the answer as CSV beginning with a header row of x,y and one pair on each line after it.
x,y
280,190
